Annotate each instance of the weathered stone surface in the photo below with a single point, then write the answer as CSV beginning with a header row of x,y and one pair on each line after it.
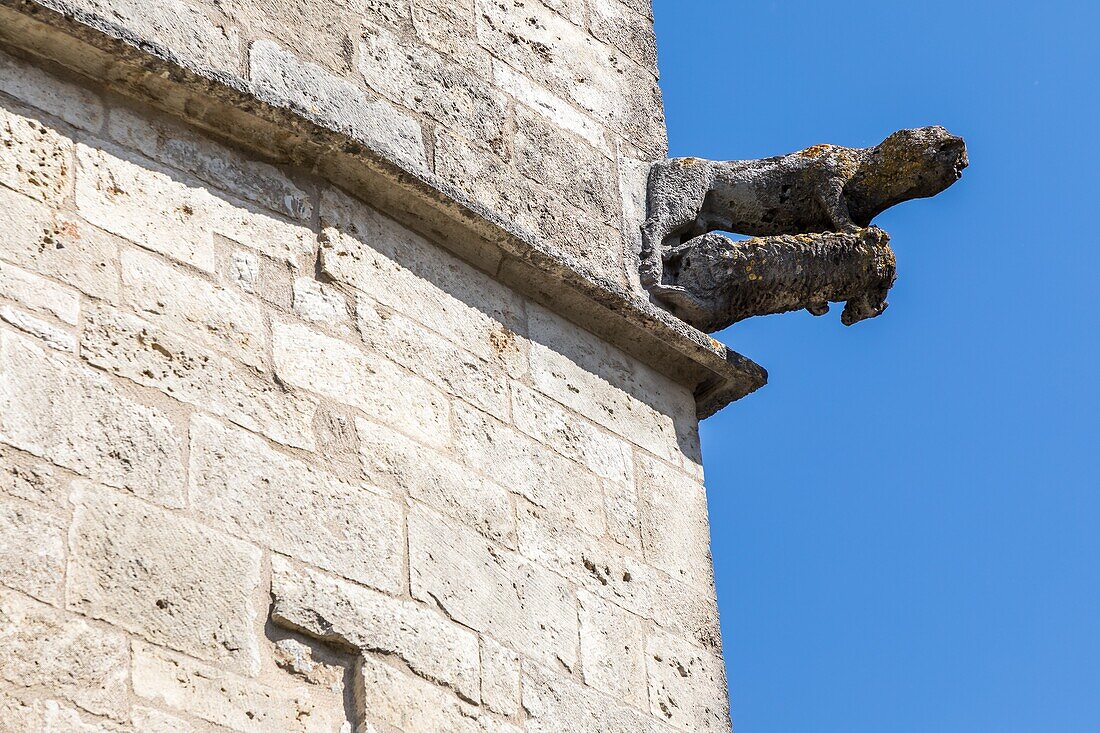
x,y
248,489
602,453
34,159
47,333
311,664
675,527
435,358
32,551
31,479
612,650
43,648
133,348
554,704
687,686
334,102
174,214
148,720
357,618
393,462
49,716
620,506
209,314
424,81
74,104
390,697
500,678
554,108
367,381
78,419
626,29
602,383
401,270
448,26
39,294
558,485
319,303
492,590
226,699
166,578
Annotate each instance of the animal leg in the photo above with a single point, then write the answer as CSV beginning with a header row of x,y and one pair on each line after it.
x,y
831,198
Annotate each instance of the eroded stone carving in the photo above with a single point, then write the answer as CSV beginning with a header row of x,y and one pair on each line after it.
x,y
810,211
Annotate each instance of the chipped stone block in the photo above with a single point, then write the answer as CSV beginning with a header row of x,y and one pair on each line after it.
x,y
47,333
191,306
284,79
248,489
675,526
612,649
30,84
78,419
555,703
319,303
561,487
492,590
45,649
390,697
360,619
403,271
687,686
298,659
229,700
602,453
500,677
34,159
395,463
32,551
133,348
365,380
163,577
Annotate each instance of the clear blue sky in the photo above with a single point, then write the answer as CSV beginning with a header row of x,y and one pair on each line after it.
x,y
906,520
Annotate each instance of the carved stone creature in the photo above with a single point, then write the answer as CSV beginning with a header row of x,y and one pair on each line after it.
x,y
826,188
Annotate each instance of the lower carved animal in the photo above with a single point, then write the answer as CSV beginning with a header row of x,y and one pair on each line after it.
x,y
712,281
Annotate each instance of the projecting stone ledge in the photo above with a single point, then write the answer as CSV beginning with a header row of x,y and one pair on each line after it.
x,y
338,137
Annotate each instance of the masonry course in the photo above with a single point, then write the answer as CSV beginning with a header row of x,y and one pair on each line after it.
x,y
298,467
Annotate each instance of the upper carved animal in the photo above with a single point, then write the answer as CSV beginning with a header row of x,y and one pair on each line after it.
x,y
826,188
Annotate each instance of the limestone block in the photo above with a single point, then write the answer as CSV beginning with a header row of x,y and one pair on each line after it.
x,y
148,720
64,247
564,163
687,686
319,303
598,381
554,704
551,106
367,381
32,551
315,666
163,577
243,486
50,335
403,467
39,294
29,83
174,214
390,697
675,526
620,505
612,574
34,159
612,650
49,716
448,27
28,478
43,648
435,358
205,41
226,699
78,419
133,348
321,33
561,487
183,149
602,453
626,29
190,306
492,590
354,617
284,79
500,678
422,80
409,274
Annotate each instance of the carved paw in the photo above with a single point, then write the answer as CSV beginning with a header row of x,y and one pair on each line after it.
x,y
818,309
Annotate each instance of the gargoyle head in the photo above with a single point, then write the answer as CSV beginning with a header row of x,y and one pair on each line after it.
x,y
910,164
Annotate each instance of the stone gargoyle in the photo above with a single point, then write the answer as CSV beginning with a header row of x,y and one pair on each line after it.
x,y
809,213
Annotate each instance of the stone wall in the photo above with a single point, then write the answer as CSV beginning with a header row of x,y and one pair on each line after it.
x,y
270,461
